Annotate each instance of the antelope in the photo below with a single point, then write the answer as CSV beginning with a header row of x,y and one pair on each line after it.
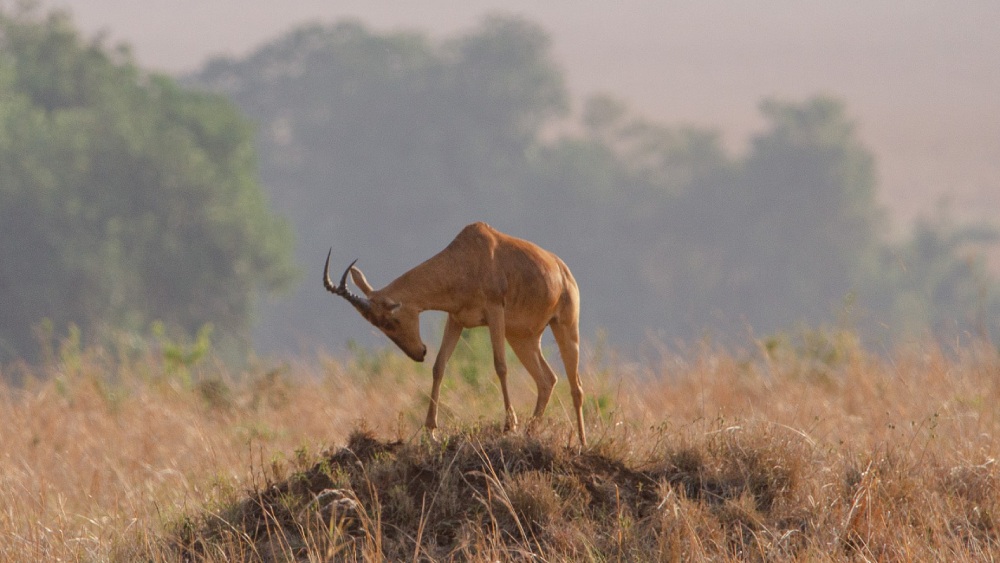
x,y
483,277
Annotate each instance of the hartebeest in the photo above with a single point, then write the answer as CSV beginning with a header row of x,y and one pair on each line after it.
x,y
483,277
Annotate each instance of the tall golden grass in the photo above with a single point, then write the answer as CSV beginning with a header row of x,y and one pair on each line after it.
x,y
105,455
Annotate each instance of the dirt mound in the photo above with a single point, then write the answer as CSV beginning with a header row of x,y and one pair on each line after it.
x,y
482,494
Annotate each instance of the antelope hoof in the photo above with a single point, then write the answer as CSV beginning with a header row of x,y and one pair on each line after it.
x,y
432,434
533,425
511,424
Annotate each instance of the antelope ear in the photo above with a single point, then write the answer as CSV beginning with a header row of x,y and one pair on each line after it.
x,y
360,281
393,307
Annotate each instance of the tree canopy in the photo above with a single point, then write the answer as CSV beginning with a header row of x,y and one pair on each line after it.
x,y
124,198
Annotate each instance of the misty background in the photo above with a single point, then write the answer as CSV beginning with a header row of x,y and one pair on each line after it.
x,y
705,170
921,81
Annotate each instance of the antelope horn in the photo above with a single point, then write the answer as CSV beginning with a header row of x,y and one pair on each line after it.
x,y
360,303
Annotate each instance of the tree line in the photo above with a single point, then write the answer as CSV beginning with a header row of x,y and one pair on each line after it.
x,y
127,196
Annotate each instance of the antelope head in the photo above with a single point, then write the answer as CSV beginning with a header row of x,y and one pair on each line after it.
x,y
398,321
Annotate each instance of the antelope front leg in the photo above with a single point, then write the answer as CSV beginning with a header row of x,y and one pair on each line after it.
x,y
495,320
452,332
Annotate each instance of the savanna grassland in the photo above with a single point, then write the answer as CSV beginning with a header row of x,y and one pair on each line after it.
x,y
806,449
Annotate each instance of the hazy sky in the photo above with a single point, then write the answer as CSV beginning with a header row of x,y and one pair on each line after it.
x,y
922,79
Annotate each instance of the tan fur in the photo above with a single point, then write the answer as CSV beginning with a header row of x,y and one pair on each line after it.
x,y
486,278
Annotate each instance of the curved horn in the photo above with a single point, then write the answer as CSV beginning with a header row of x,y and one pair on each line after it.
x,y
360,303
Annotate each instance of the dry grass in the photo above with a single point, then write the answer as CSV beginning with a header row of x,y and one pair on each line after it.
x,y
813,451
